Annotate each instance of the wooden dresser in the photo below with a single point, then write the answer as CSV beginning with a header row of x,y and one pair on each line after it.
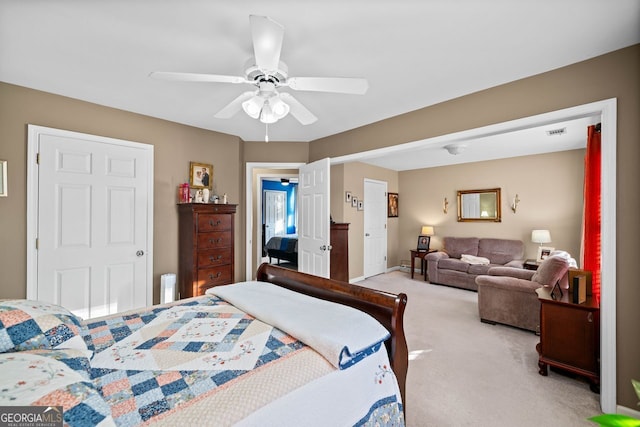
x,y
339,255
206,238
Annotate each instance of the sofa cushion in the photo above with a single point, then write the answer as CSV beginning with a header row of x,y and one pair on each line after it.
x,y
456,246
500,251
478,269
453,264
551,270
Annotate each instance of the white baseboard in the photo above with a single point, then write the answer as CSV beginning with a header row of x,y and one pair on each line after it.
x,y
628,411
356,279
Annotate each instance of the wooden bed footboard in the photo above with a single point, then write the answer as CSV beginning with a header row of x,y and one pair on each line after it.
x,y
385,307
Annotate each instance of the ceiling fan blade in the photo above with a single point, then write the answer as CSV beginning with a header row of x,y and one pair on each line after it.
x,y
194,77
297,110
267,37
234,106
348,85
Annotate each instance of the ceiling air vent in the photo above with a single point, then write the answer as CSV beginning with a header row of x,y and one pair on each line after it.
x,y
555,132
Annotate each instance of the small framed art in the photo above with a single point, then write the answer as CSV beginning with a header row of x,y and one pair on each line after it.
x,y
360,205
392,205
347,196
543,253
200,175
423,243
354,202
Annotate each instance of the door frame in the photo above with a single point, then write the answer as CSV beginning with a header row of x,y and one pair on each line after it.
x,y
33,196
607,110
252,191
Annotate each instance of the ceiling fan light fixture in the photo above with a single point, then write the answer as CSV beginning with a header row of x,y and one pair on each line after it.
x,y
273,110
253,106
455,149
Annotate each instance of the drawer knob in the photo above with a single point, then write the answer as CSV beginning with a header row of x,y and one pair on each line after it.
x,y
211,223
590,317
214,276
212,258
215,240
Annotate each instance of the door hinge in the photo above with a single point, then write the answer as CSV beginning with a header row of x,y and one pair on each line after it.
x,y
38,158
37,243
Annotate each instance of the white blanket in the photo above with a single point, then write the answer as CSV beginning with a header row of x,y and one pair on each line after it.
x,y
343,335
472,259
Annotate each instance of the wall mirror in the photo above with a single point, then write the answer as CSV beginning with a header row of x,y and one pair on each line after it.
x,y
479,205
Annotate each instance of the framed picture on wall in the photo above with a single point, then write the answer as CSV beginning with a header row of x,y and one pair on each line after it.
x,y
392,205
354,202
360,205
347,196
200,175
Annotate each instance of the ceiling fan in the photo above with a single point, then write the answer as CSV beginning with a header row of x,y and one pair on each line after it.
x,y
267,73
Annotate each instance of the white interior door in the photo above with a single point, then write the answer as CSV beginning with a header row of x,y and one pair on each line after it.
x,y
375,227
274,213
93,222
313,221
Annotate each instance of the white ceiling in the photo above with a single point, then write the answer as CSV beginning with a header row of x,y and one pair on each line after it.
x,y
414,53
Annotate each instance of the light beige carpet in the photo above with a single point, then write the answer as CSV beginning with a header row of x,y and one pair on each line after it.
x,y
466,373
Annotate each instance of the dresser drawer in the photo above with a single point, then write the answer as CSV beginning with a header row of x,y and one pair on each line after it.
x,y
209,277
213,222
216,239
214,257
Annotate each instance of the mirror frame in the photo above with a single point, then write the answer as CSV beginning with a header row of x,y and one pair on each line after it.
x,y
497,218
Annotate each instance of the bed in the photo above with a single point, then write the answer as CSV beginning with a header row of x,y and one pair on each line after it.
x,y
216,359
283,248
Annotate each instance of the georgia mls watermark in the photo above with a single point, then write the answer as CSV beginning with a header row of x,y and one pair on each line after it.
x,y
31,416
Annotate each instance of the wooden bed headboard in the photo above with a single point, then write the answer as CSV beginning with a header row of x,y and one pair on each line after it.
x,y
385,307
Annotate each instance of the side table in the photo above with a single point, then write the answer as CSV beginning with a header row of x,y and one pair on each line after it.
x,y
419,254
531,264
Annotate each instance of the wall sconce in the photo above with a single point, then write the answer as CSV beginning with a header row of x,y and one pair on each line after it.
x,y
445,205
514,205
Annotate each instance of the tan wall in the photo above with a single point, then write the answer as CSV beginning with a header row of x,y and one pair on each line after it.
x,y
614,75
352,176
174,147
554,204
277,152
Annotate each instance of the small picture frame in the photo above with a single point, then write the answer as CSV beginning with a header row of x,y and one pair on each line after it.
x,y
423,243
200,175
360,205
3,178
354,202
347,196
543,253
392,205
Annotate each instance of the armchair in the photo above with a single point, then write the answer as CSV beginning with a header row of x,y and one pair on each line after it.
x,y
508,296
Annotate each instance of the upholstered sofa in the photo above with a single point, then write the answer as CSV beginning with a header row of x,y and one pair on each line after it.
x,y
446,266
508,295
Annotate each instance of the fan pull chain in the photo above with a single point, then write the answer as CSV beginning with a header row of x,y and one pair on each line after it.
x,y
266,132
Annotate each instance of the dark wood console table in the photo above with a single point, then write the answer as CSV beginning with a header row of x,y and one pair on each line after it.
x,y
569,336
419,254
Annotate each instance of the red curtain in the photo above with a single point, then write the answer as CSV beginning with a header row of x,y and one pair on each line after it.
x,y
592,208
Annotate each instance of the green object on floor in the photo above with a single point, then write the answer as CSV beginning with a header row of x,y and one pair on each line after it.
x,y
617,420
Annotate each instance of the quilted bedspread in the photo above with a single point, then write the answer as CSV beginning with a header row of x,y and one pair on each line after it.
x,y
203,361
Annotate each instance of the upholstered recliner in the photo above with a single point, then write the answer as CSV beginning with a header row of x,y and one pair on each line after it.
x,y
508,295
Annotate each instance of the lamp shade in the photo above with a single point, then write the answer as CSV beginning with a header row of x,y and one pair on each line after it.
x,y
540,236
427,230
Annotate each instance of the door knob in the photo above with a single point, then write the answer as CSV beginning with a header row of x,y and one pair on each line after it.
x,y
323,247
139,253
366,234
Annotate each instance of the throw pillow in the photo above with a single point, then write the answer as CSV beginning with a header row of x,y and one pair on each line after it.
x,y
551,271
29,325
